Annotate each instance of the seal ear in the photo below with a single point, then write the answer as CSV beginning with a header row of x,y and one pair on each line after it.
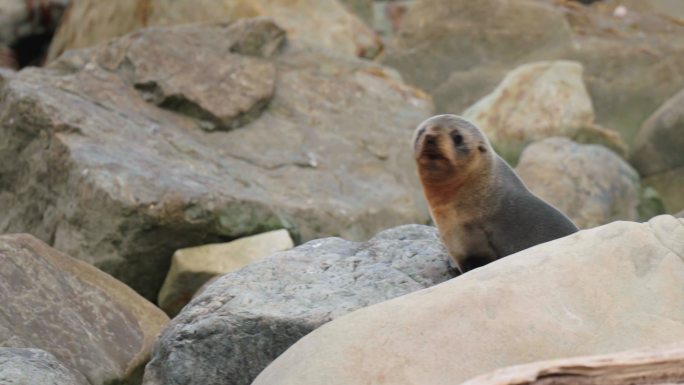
x,y
420,133
482,148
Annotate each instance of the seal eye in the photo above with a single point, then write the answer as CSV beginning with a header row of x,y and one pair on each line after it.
x,y
420,132
457,138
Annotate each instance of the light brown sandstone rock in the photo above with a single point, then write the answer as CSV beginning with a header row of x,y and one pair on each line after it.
x,y
459,50
603,290
319,22
94,324
193,267
650,366
536,101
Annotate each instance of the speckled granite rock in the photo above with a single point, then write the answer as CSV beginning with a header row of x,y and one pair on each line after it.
x,y
602,290
191,268
244,320
589,183
92,323
35,367
105,162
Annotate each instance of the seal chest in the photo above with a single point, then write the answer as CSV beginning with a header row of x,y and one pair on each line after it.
x,y
481,207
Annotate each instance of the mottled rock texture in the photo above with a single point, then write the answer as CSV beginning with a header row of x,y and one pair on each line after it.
x,y
610,288
193,267
459,50
92,323
35,367
589,183
650,366
325,23
659,152
103,160
535,101
244,320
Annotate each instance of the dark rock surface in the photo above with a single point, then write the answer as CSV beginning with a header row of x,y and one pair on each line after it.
x,y
317,144
659,152
241,322
92,323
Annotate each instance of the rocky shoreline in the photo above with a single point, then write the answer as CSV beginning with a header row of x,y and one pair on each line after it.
x,y
249,175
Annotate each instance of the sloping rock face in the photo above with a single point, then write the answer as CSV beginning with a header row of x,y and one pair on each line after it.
x,y
93,324
459,50
193,267
611,288
659,152
656,366
35,366
122,154
589,183
324,23
244,320
536,101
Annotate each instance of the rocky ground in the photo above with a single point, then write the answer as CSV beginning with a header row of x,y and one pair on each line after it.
x,y
245,169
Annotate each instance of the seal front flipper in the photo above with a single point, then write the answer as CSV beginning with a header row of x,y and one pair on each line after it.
x,y
474,261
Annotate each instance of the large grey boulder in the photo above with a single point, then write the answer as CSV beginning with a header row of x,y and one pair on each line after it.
x,y
176,137
659,152
244,320
95,325
33,367
611,288
459,50
588,182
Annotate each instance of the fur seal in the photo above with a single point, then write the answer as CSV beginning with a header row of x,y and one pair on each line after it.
x,y
481,207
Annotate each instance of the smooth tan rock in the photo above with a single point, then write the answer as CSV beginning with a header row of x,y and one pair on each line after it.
x,y
319,22
92,323
536,101
193,267
657,366
603,290
589,183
